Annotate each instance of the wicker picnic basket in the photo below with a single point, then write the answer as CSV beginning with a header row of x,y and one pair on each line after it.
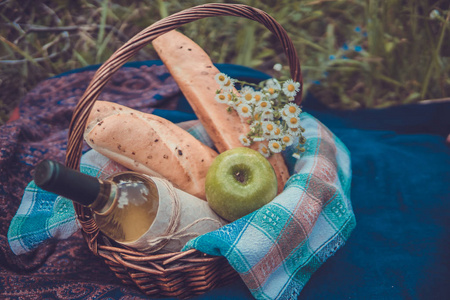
x,y
181,274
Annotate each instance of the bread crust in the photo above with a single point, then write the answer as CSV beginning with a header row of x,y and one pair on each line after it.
x,y
194,73
149,144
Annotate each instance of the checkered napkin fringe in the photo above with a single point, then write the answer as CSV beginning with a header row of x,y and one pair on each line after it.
x,y
275,249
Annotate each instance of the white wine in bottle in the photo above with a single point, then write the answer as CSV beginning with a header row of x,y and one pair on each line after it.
x,y
124,205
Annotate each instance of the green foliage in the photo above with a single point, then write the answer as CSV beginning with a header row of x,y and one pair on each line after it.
x,y
354,53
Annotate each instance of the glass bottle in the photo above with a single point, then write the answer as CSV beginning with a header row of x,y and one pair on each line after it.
x,y
124,205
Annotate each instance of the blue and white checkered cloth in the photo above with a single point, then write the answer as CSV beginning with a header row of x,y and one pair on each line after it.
x,y
275,249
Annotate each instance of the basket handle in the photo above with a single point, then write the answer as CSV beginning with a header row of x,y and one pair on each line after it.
x,y
146,36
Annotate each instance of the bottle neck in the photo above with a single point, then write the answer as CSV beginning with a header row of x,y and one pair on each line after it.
x,y
72,184
106,199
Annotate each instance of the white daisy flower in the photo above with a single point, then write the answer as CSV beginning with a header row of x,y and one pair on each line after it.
x,y
244,110
272,88
264,113
247,88
287,139
221,78
294,131
272,93
275,146
245,141
222,97
273,82
264,150
290,110
267,115
268,128
258,139
296,155
257,97
276,133
229,84
247,94
293,122
291,88
264,104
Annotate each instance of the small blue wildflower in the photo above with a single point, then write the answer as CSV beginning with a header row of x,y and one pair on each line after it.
x,y
345,46
316,82
358,48
331,57
365,34
357,29
325,74
434,14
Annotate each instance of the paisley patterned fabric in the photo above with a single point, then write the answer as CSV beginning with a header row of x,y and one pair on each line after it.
x,y
66,269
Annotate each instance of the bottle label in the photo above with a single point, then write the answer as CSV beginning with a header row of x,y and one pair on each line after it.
x,y
180,217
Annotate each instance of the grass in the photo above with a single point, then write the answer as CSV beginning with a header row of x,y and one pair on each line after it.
x,y
354,53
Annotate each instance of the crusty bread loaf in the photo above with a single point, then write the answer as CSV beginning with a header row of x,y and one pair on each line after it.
x,y
149,144
194,72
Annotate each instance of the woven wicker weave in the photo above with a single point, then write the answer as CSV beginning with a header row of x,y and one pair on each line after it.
x,y
181,274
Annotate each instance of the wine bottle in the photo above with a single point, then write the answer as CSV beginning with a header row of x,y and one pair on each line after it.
x,y
124,205
143,212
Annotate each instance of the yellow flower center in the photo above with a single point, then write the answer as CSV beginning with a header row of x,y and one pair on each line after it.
x,y
245,109
248,96
271,90
292,109
264,104
228,83
257,117
277,131
291,88
293,120
276,145
264,149
222,97
221,78
286,139
269,127
257,98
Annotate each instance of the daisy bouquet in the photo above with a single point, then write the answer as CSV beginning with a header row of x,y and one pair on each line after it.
x,y
269,109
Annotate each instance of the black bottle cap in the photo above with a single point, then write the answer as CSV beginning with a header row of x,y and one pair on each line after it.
x,y
54,177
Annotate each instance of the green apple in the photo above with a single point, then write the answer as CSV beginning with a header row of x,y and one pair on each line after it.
x,y
239,181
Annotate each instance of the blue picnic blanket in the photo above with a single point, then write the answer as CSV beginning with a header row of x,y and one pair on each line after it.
x,y
400,195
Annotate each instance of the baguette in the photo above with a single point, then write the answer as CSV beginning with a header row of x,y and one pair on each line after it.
x,y
150,145
194,73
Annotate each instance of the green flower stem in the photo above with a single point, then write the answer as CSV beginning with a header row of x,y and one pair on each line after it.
x,y
434,61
